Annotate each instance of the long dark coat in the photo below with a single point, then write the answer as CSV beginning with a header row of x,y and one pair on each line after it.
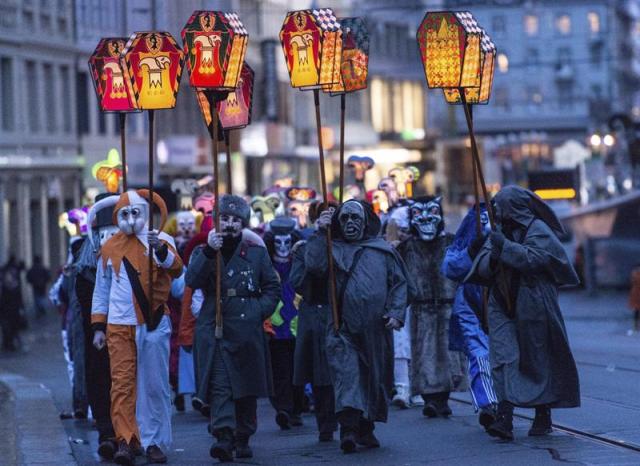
x,y
434,368
531,360
250,290
360,354
310,359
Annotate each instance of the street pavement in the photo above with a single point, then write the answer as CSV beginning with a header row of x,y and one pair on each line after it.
x,y
605,349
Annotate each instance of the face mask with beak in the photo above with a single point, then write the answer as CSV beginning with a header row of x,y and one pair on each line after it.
x,y
426,219
132,219
352,221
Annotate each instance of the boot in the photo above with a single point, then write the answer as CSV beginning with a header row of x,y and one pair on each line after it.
x,y
155,455
442,401
283,420
124,455
349,420
296,420
430,409
107,449
223,448
487,417
541,423
401,398
243,450
503,427
178,402
365,437
347,440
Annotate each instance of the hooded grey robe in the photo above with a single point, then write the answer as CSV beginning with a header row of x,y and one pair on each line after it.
x,y
531,361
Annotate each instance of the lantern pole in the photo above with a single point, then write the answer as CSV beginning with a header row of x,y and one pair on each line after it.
x,y
225,133
123,149
325,196
151,203
211,96
343,98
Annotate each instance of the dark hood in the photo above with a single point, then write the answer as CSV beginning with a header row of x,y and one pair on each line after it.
x,y
523,207
372,222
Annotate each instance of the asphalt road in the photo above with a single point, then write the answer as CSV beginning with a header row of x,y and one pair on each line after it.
x,y
610,376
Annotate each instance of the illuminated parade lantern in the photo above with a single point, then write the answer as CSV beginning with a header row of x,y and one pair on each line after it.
x,y
215,43
152,63
354,63
109,171
108,76
312,45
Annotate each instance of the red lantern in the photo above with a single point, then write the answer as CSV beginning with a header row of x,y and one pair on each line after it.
x,y
108,76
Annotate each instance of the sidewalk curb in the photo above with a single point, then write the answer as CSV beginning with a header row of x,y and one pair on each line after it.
x,y
40,436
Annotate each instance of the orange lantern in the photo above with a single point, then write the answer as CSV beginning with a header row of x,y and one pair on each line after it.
x,y
152,63
108,76
312,45
354,64
450,46
215,44
481,94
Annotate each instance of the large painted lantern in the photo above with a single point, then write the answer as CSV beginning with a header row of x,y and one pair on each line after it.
x,y
312,45
108,76
215,44
354,63
450,46
152,63
482,93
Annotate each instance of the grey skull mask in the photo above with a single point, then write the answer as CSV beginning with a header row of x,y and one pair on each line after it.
x,y
352,221
282,246
426,219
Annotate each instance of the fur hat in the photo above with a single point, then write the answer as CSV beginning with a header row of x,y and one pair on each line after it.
x,y
235,205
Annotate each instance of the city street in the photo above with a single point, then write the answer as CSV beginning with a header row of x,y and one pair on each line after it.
x,y
605,350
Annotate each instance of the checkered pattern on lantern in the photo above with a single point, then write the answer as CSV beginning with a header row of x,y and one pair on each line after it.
x,y
235,23
487,44
328,58
326,19
468,22
443,63
472,59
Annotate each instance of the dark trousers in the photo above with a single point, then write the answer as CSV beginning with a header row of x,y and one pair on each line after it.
x,y
98,380
286,397
228,415
325,408
351,421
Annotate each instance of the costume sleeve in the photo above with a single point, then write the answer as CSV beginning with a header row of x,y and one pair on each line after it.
x,y
456,264
201,270
100,302
315,257
171,263
197,301
84,292
177,287
269,285
298,270
397,290
187,320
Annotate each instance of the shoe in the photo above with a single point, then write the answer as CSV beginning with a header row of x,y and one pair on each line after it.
x,y
325,437
155,455
487,417
196,403
444,410
178,401
243,450
430,409
348,442
417,400
541,423
503,427
401,398
124,455
282,419
368,440
107,449
223,448
296,421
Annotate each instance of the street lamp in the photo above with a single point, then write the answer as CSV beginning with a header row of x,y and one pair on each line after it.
x,y
595,141
608,140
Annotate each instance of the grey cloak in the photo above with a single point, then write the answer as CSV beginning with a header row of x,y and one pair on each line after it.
x,y
360,354
531,361
434,368
250,290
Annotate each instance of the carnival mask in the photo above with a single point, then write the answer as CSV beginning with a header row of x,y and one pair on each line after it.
x,y
132,219
352,221
186,223
106,233
299,211
230,225
282,246
426,219
484,221
389,187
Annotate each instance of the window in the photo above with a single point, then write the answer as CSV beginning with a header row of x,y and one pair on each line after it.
x,y
49,97
533,95
594,22
65,98
533,56
531,25
502,98
33,97
503,63
498,25
565,94
6,94
564,56
82,103
595,54
563,24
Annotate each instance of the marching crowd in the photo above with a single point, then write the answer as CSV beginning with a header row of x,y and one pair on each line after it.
x,y
347,307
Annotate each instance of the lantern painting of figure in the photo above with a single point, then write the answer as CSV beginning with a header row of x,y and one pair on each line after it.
x,y
153,63
235,111
215,44
108,76
354,64
312,45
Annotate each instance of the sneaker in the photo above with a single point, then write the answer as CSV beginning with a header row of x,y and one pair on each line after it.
x,y
283,420
348,442
401,399
155,455
368,440
417,400
124,455
541,423
196,403
107,449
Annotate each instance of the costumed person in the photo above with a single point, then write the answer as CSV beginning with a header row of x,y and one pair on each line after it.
x,y
468,312
38,277
97,369
135,330
524,264
10,303
287,399
435,370
310,359
372,292
235,369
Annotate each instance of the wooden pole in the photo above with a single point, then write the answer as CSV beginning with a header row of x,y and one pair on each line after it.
x,y
325,196
343,98
216,193
151,203
123,150
225,132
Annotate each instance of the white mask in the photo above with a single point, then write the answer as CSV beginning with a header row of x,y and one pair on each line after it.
x,y
132,219
106,233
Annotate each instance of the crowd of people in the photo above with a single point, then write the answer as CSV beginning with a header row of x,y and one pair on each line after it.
x,y
349,308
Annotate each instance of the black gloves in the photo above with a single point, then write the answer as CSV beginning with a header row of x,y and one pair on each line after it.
x,y
476,245
497,242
